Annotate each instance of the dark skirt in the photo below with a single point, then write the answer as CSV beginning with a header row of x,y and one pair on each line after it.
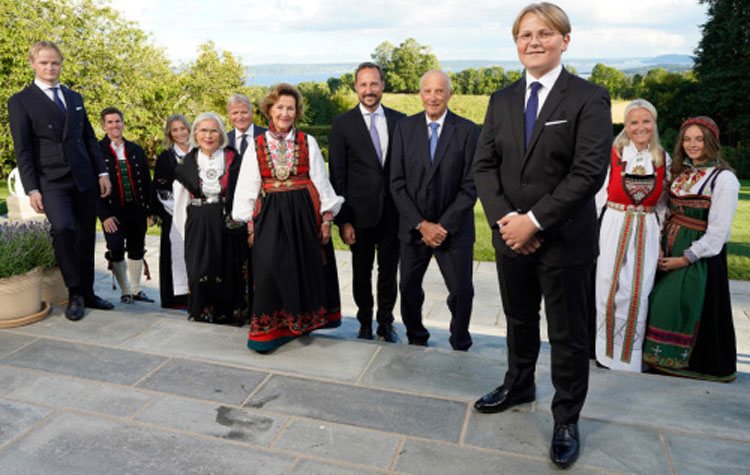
x,y
714,353
296,282
215,258
166,287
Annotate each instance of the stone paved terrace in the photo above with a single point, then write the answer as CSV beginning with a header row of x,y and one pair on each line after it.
x,y
138,390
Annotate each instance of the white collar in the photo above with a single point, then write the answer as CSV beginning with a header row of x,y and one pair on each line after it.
x,y
440,120
366,112
44,86
219,153
248,132
547,80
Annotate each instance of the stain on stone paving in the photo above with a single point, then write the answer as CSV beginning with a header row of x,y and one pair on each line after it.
x,y
243,425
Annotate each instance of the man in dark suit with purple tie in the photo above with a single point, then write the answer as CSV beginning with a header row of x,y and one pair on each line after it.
x,y
359,148
541,158
60,162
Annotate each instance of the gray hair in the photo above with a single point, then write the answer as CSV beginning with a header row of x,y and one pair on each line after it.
x,y
654,146
441,73
202,117
239,99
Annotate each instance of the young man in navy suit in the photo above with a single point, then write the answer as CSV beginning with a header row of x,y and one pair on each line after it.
x,y
60,163
359,147
542,157
433,186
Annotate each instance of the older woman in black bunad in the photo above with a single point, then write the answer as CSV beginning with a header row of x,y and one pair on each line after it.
x,y
286,197
690,329
214,244
173,284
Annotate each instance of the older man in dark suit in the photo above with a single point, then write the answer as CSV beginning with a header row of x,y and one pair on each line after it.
x,y
60,163
359,160
433,186
541,158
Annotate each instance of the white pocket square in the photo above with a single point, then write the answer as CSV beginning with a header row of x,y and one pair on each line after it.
x,y
555,122
79,108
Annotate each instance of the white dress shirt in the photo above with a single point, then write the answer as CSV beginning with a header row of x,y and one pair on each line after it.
x,y
440,121
250,132
47,89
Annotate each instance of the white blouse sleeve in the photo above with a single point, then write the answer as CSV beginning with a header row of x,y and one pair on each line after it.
x,y
248,186
181,198
329,201
661,204
602,195
723,205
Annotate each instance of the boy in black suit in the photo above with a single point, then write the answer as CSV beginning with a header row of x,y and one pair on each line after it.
x,y
541,158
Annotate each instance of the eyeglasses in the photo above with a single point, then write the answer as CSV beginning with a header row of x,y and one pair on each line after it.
x,y
543,36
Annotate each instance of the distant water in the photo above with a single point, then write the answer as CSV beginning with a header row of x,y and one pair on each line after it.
x,y
269,74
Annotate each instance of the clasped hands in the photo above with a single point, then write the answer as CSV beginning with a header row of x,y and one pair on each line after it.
x,y
433,234
518,231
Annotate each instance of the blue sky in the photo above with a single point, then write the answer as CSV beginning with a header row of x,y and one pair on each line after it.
x,y
332,31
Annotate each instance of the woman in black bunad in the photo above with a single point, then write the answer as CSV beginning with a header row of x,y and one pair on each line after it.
x,y
285,196
173,284
214,244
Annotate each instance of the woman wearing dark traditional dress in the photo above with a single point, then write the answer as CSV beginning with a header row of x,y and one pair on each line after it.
x,y
172,274
285,196
690,330
634,200
215,252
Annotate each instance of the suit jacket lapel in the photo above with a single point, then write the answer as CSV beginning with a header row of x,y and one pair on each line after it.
x,y
517,107
68,107
554,97
445,137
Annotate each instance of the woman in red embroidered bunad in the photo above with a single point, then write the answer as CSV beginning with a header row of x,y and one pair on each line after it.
x,y
214,244
690,330
286,198
633,201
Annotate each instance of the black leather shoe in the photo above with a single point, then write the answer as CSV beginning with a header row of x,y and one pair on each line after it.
x,y
565,445
142,297
387,333
503,398
365,331
98,303
74,310
127,298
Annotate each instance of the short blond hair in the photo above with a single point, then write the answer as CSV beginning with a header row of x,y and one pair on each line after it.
x,y
40,45
549,13
654,145
282,89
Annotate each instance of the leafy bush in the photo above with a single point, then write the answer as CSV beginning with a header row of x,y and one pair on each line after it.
x,y
24,246
739,158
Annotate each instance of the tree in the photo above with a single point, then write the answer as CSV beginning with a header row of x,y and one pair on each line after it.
x,y
722,68
612,79
107,59
207,82
403,66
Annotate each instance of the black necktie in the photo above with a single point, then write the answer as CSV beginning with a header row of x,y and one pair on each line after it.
x,y
243,144
532,107
58,102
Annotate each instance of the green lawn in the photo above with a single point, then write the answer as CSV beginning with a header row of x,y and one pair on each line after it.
x,y
738,249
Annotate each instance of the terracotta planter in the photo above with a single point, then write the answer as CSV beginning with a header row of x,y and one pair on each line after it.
x,y
53,286
21,299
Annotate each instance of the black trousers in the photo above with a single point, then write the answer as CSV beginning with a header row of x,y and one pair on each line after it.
x,y
566,291
130,235
72,214
455,265
384,238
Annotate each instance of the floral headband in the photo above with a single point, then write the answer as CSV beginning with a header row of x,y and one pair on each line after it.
x,y
703,120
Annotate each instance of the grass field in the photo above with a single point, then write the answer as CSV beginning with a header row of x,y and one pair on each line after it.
x,y
471,107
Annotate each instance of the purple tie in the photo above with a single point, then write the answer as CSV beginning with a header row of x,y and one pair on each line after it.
x,y
532,107
375,136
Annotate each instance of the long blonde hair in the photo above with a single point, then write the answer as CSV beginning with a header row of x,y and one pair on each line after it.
x,y
654,146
